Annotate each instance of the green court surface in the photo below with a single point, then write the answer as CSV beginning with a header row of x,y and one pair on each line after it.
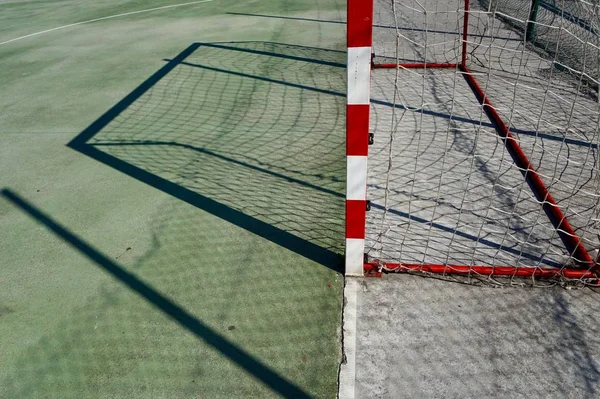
x,y
172,194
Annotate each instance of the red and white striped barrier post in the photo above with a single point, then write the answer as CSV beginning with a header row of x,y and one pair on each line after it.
x,y
359,31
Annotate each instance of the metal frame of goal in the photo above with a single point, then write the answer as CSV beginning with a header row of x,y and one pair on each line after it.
x,y
472,138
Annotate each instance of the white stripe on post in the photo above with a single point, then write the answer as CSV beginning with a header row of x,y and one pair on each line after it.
x,y
359,75
356,178
355,254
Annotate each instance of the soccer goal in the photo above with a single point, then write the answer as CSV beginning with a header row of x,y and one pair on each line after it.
x,y
473,129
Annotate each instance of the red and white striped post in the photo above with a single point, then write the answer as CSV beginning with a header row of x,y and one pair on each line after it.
x,y
360,29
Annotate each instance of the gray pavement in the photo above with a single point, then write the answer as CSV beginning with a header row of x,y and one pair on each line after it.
x,y
426,338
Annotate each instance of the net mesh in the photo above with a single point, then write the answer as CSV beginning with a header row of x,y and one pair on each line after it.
x,y
221,118
443,186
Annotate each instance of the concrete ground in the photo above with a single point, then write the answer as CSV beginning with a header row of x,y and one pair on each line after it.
x,y
425,338
444,190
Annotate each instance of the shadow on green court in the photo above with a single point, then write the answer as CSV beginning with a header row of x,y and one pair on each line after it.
x,y
227,137
174,311
245,252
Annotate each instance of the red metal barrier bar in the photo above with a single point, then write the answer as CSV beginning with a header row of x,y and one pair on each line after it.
x,y
508,271
419,65
465,33
541,192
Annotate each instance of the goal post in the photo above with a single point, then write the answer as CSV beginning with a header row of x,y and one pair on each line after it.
x,y
472,138
359,40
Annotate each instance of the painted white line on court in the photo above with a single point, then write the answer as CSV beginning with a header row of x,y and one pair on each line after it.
x,y
103,18
347,379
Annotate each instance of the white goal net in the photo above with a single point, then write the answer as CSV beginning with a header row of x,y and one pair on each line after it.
x,y
447,185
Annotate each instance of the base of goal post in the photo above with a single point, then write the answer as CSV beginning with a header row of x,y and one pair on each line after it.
x,y
417,65
376,269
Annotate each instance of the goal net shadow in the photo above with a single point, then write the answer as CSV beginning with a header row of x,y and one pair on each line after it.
x,y
251,132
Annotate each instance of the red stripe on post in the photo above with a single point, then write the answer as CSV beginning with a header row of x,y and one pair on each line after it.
x,y
357,129
356,215
360,23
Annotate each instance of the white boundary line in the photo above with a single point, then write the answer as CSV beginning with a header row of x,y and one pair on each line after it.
x,y
103,18
347,379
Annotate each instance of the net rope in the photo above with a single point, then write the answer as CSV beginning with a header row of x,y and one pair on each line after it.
x,y
444,188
